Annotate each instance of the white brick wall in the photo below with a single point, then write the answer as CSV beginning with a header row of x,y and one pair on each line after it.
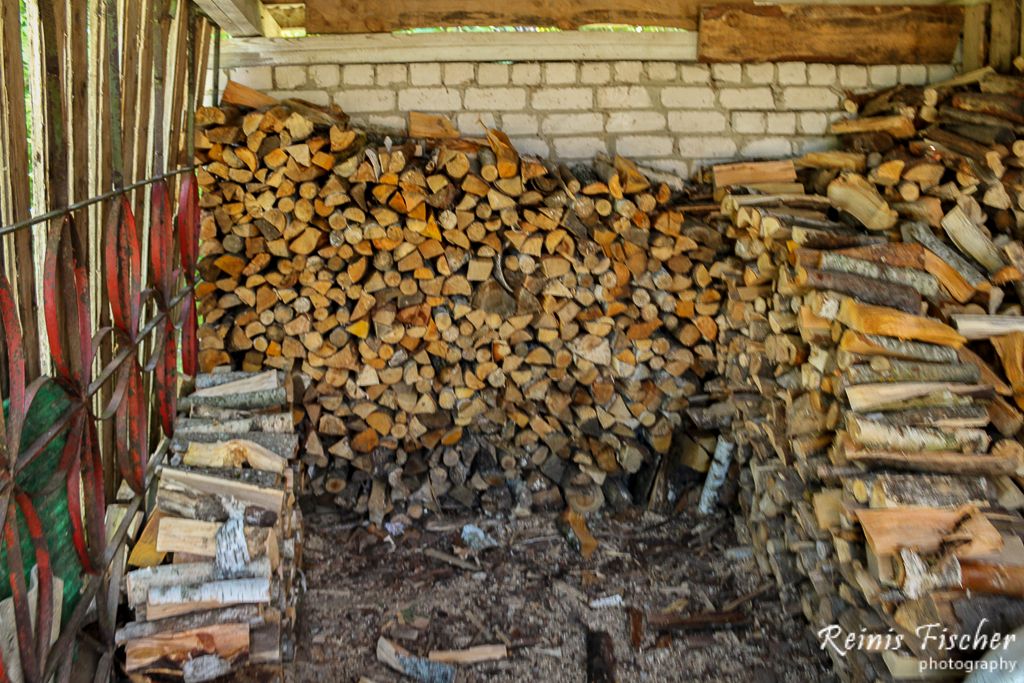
x,y
670,115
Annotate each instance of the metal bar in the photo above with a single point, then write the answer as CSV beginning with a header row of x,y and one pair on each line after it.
x,y
43,217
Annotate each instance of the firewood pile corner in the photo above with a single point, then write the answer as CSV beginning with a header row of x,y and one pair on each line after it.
x,y
872,372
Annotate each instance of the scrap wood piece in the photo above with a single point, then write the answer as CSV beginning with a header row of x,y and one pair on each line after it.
x,y
857,196
1010,348
891,322
938,462
927,530
243,96
841,35
748,172
437,126
237,383
748,596
980,326
578,524
227,642
418,668
600,652
472,655
173,601
233,453
452,560
673,621
896,125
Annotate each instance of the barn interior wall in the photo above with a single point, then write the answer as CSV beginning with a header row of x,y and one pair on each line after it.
x,y
676,116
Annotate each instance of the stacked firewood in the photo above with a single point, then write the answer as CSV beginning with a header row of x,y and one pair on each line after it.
x,y
872,358
218,561
475,327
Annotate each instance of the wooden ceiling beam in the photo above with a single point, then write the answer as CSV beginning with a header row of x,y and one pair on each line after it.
x,y
240,18
359,16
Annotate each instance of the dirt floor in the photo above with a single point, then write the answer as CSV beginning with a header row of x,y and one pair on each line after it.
x,y
533,592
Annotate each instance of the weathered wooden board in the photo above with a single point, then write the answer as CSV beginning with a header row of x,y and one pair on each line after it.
x,y
354,16
874,34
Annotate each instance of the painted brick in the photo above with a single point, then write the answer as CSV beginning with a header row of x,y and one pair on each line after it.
x,y
627,72
290,77
706,147
357,74
767,147
690,98
853,76
531,146
913,74
821,74
696,121
792,73
258,77
814,144
595,73
884,75
475,123
940,72
746,98
661,71
579,147
623,97
385,122
781,122
429,99
810,98
727,73
563,98
526,74
760,73
425,74
519,124
813,123
325,75
492,74
391,73
634,121
356,100
458,73
644,145
748,121
694,73
569,124
559,73
499,99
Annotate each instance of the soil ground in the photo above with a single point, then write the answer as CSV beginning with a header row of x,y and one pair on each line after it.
x,y
533,592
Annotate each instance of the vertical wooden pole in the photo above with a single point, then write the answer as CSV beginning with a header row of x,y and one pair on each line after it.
x,y
79,83
18,159
1004,34
974,37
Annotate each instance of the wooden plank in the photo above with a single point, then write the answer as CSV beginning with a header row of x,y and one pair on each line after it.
x,y
459,47
240,17
355,16
228,642
974,36
18,169
1003,37
838,34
